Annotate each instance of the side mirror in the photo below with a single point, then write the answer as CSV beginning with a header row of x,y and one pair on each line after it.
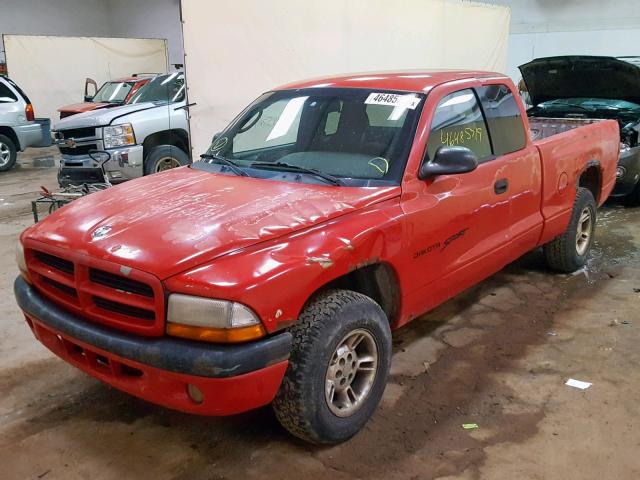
x,y
88,98
448,161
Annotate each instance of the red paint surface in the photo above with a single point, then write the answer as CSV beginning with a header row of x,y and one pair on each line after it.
x,y
221,396
258,242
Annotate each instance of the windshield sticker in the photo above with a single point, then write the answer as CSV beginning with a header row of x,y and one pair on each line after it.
x,y
393,100
381,164
218,144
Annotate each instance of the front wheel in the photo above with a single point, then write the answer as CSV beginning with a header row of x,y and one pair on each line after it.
x,y
164,157
338,367
570,251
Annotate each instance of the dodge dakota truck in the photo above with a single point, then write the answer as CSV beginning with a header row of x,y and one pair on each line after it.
x,y
327,214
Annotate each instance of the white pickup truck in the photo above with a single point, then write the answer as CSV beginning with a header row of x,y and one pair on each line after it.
x,y
148,135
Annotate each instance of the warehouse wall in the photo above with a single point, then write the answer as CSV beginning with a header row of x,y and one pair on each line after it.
x,y
53,17
95,18
148,19
541,28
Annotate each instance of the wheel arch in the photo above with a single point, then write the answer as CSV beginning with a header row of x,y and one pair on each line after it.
x,y
8,132
591,179
378,281
176,137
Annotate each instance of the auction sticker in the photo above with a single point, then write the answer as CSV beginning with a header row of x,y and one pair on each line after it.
x,y
393,100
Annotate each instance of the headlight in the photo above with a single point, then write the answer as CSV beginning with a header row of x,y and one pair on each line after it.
x,y
20,260
624,147
620,172
211,320
118,136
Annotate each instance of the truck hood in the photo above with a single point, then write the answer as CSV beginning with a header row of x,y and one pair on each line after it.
x,y
84,107
170,222
556,78
102,116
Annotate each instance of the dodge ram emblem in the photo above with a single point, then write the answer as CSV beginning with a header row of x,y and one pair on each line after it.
x,y
70,142
100,232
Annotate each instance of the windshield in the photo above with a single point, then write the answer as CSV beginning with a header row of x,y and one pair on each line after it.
x,y
353,134
113,92
163,88
591,104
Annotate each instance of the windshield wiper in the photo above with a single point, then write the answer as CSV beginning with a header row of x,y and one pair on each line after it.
x,y
295,168
225,161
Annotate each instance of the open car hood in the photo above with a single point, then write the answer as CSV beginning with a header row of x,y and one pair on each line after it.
x,y
555,78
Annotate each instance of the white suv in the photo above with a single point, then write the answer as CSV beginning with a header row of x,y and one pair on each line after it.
x,y
18,126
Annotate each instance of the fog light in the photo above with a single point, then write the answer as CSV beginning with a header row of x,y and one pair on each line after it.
x,y
195,394
620,172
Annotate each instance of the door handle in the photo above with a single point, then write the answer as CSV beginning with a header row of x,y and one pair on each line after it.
x,y
501,186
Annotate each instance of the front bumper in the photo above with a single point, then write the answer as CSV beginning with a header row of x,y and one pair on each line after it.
x,y
630,161
231,378
125,163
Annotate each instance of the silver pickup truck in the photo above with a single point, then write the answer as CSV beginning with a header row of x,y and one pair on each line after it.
x,y
18,127
148,135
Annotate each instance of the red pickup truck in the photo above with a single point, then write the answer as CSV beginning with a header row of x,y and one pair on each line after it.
x,y
327,214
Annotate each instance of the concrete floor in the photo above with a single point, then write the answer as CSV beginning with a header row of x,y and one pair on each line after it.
x,y
497,356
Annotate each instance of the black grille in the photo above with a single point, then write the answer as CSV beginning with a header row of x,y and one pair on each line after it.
x,y
120,283
79,150
77,133
59,286
55,262
124,309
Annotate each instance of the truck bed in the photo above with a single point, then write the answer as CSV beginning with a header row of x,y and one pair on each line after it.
x,y
543,127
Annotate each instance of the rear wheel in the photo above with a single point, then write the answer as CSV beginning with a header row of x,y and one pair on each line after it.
x,y
570,251
338,367
164,157
8,153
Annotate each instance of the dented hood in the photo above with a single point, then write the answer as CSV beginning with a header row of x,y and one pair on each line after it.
x,y
170,222
577,76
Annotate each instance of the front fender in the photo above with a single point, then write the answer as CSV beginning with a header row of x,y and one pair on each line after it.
x,y
276,278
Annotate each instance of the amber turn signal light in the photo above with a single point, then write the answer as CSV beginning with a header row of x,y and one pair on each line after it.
x,y
221,335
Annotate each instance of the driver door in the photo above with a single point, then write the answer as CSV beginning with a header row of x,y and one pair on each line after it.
x,y
456,224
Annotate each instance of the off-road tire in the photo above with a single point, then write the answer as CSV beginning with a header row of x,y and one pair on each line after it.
x,y
300,404
160,153
13,153
561,253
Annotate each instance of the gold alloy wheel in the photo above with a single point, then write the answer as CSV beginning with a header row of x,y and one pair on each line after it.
x,y
351,373
584,231
166,163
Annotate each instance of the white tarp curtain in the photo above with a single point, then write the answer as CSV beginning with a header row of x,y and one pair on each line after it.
x,y
52,70
237,49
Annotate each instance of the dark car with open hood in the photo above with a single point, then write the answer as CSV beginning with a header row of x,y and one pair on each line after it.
x,y
569,91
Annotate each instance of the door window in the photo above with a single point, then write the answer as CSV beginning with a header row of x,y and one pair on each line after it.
x,y
458,121
503,117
